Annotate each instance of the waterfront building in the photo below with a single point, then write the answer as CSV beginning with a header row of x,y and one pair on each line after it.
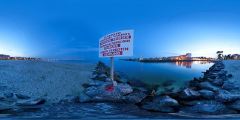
x,y
4,57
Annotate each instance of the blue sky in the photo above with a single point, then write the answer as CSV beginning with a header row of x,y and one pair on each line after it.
x,y
70,29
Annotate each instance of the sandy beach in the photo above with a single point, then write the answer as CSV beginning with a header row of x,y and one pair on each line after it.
x,y
51,80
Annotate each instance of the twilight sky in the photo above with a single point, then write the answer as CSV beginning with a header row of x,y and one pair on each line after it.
x,y
70,29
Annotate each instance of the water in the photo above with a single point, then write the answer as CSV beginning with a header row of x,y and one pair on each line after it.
x,y
159,73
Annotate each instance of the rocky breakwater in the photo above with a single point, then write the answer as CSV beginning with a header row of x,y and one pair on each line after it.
x,y
101,89
13,103
211,94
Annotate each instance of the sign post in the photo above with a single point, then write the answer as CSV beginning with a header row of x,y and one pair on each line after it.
x,y
117,44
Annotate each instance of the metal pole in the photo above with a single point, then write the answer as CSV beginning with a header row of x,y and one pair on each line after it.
x,y
112,71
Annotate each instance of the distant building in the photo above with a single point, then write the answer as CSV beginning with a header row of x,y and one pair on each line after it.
x,y
235,56
188,56
4,57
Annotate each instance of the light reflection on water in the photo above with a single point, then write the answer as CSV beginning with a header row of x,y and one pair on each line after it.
x,y
159,73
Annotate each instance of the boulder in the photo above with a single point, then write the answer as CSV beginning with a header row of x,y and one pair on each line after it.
x,y
217,82
5,107
8,95
194,83
92,91
83,98
207,94
235,105
230,85
135,97
20,96
165,101
30,104
208,86
162,104
124,88
225,96
189,94
229,75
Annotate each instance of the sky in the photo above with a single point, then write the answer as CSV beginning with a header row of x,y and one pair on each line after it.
x,y
71,29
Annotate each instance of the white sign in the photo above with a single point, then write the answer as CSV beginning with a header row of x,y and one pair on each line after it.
x,y
117,44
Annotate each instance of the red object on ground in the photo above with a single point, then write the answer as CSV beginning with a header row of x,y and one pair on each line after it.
x,y
109,88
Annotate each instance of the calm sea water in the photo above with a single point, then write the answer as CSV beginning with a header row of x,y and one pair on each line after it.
x,y
156,74
159,73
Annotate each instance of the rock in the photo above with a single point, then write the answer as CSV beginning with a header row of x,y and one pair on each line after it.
x,y
101,76
162,104
166,101
94,76
235,105
194,83
229,85
31,104
124,88
208,86
92,91
5,107
225,96
209,107
8,95
189,94
70,99
217,82
107,92
222,73
135,97
97,83
20,96
83,98
207,94
229,75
